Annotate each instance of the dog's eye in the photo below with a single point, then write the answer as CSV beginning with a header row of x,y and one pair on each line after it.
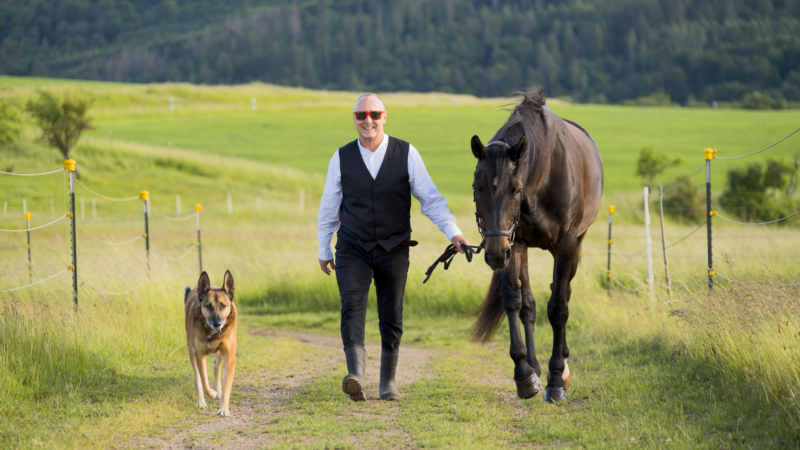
x,y
223,306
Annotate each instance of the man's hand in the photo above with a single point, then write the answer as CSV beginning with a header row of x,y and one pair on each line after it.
x,y
324,266
457,241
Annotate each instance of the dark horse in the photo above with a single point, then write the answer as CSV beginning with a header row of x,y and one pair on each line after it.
x,y
538,184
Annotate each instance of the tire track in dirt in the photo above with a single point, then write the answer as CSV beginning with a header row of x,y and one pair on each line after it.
x,y
263,396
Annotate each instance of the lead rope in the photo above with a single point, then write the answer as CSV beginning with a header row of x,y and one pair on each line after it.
x,y
450,254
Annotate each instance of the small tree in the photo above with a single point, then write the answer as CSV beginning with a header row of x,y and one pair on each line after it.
x,y
651,164
61,118
10,122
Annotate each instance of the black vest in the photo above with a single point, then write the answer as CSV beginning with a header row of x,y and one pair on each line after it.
x,y
375,211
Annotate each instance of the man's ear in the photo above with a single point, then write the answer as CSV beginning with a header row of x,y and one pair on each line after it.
x,y
477,147
515,153
203,285
227,284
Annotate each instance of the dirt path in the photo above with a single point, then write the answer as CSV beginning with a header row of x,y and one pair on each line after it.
x,y
263,397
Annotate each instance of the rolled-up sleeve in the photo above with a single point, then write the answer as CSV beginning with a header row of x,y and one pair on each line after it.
x,y
432,203
328,218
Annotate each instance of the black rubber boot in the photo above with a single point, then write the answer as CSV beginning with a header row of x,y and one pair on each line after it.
x,y
353,384
387,387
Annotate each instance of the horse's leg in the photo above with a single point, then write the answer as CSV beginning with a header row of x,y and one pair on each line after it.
x,y
528,315
566,260
528,383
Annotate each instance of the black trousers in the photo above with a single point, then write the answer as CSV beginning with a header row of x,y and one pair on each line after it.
x,y
356,268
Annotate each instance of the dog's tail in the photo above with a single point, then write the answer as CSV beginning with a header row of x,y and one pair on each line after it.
x,y
186,294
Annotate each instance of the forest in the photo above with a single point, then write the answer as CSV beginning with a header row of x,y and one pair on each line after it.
x,y
600,51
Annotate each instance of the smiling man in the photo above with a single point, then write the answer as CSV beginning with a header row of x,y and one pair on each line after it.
x,y
367,198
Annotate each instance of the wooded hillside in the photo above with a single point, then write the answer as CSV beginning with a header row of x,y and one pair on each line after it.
x,y
592,51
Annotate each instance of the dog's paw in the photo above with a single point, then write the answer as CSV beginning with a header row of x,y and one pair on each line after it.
x,y
223,412
202,405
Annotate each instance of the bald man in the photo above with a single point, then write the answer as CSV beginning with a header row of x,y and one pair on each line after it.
x,y
367,198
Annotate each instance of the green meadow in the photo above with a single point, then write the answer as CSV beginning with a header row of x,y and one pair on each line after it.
x,y
694,369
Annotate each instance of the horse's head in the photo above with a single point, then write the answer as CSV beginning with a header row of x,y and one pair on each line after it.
x,y
498,196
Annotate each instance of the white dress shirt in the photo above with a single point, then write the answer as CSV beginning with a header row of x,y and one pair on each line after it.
x,y
432,203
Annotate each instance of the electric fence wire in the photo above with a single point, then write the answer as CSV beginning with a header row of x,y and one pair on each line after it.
x,y
31,174
759,151
108,292
687,236
175,219
34,284
108,242
628,255
615,280
37,228
686,179
759,223
182,256
107,198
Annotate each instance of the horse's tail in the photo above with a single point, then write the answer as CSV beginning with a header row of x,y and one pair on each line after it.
x,y
491,312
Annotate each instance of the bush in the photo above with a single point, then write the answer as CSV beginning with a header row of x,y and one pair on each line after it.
x,y
685,203
756,192
757,100
10,122
656,99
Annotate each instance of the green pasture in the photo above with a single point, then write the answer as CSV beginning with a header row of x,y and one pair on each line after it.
x,y
301,129
697,369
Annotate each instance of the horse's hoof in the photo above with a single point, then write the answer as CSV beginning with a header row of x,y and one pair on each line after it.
x,y
555,394
529,388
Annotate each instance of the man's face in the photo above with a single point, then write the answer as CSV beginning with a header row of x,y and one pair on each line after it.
x,y
369,128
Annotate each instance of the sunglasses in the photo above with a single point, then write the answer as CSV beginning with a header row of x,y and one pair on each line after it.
x,y
362,115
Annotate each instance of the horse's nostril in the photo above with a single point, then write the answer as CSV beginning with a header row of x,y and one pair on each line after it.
x,y
507,254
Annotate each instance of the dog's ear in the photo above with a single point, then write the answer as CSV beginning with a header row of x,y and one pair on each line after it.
x,y
203,285
227,284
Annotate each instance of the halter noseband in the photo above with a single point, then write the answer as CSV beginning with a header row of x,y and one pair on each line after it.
x,y
511,232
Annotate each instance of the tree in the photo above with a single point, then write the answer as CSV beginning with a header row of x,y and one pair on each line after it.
x,y
650,164
61,118
10,122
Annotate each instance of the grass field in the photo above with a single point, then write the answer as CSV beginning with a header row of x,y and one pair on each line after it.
x,y
697,370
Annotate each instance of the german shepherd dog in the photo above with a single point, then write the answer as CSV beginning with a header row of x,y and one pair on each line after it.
x,y
211,328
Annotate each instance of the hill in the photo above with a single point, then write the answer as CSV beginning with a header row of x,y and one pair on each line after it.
x,y
600,51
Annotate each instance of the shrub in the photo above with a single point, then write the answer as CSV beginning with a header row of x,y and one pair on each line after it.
x,y
685,203
10,122
651,164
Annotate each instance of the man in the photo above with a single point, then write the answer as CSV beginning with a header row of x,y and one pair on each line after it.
x,y
368,198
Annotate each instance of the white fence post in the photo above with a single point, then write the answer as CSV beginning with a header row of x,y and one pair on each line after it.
x,y
52,208
24,207
302,199
230,204
178,205
650,278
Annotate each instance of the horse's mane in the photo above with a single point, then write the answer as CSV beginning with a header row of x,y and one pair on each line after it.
x,y
526,119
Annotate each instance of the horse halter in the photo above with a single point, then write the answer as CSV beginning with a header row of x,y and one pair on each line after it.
x,y
511,232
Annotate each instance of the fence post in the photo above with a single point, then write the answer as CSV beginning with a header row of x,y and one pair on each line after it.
x,y
28,226
710,154
611,210
230,204
197,209
302,199
648,241
145,196
69,165
178,205
664,237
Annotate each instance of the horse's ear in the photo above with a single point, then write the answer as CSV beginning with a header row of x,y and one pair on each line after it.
x,y
477,147
516,153
203,285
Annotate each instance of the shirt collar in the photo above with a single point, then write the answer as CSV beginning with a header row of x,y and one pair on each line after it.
x,y
381,148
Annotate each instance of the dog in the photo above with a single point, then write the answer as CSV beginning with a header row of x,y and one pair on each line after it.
x,y
211,328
